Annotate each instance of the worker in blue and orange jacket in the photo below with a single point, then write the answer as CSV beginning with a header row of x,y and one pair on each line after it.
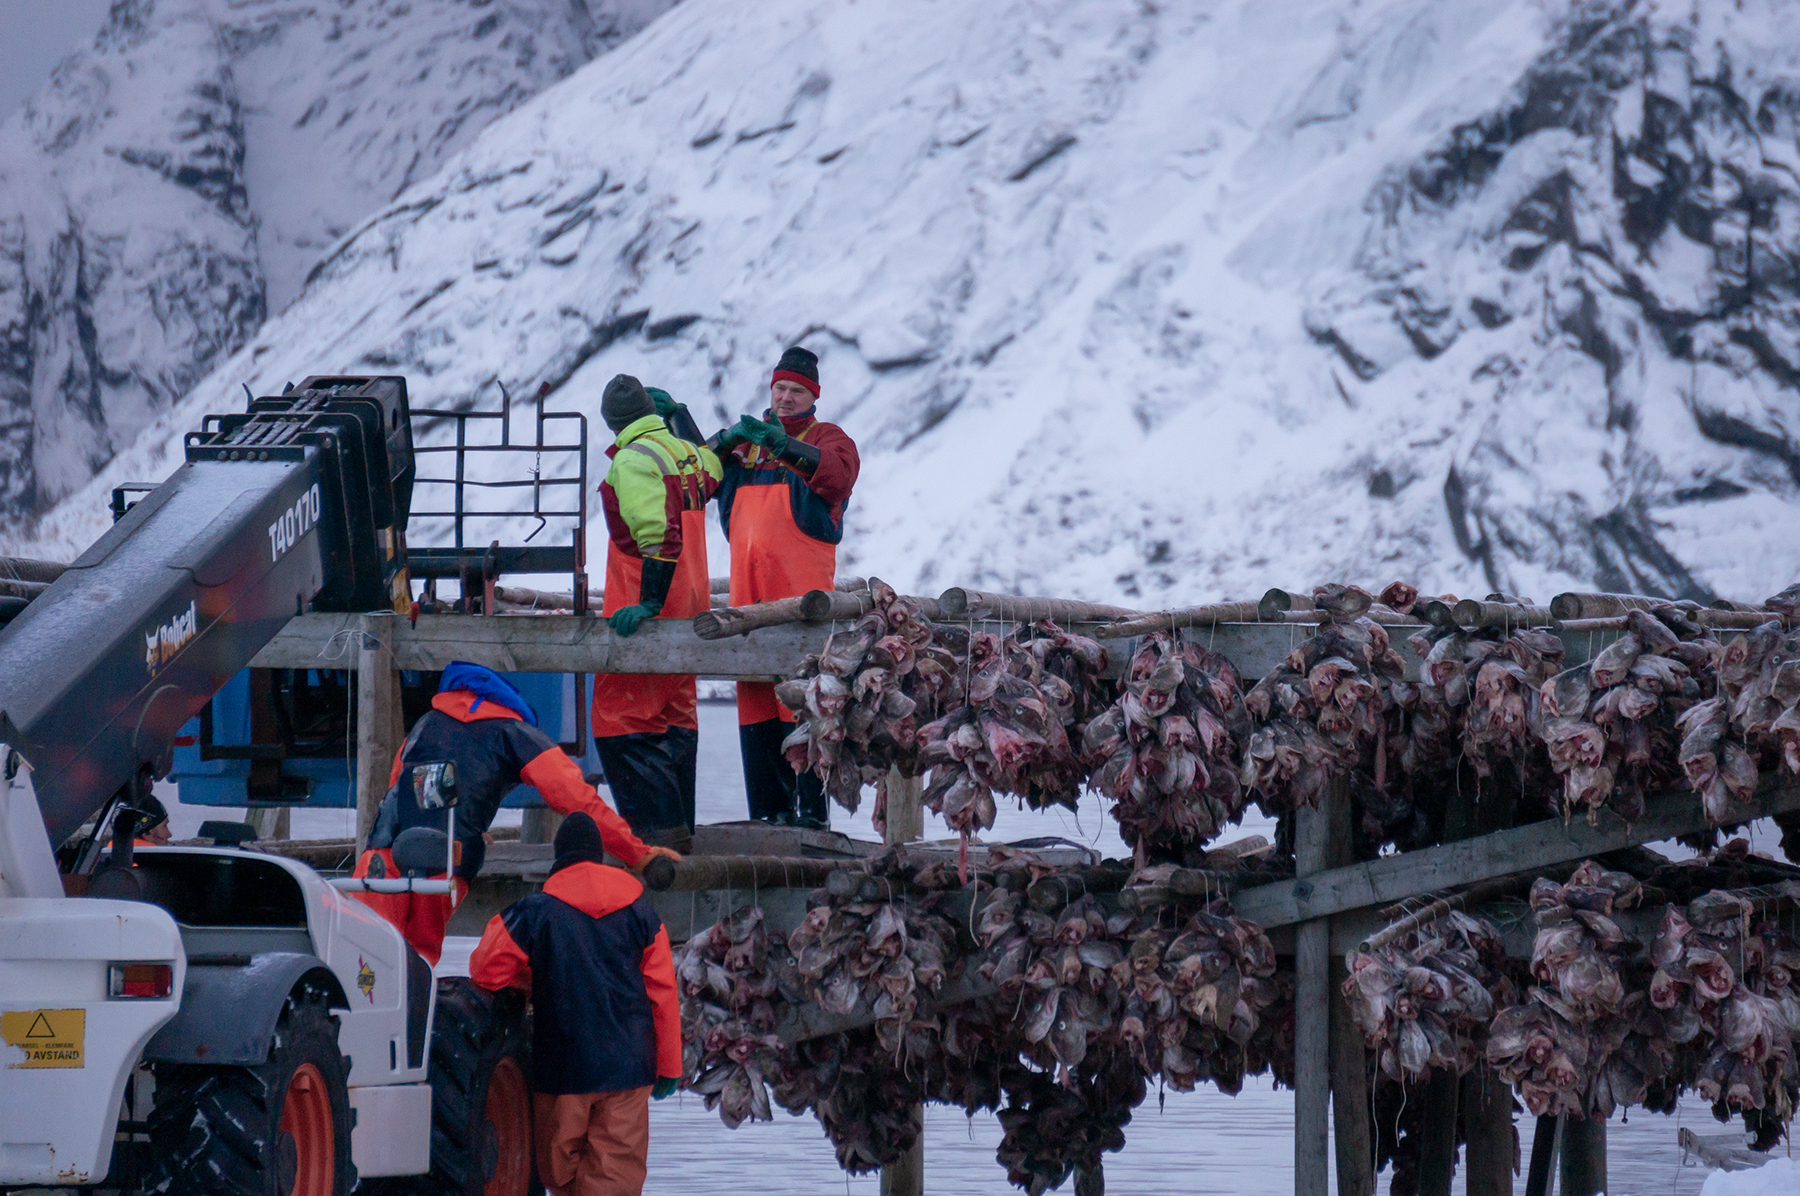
x,y
487,734
646,728
606,1019
787,480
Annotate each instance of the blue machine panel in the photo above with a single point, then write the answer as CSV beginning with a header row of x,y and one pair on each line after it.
x,y
333,778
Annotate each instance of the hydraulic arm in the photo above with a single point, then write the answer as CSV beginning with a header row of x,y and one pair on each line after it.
x,y
298,504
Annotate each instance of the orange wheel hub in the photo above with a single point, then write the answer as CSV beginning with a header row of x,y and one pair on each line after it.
x,y
306,1120
508,1113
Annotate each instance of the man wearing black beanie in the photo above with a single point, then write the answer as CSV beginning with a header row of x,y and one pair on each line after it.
x,y
787,479
654,498
606,1016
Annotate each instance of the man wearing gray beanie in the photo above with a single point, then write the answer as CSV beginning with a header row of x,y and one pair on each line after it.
x,y
646,728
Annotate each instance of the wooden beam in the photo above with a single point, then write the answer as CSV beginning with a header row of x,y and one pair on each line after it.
x,y
584,644
1397,877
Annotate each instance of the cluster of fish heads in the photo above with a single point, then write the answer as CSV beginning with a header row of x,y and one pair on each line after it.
x,y
1425,1000
1586,1038
861,699
1727,985
1167,751
1027,698
1323,712
730,998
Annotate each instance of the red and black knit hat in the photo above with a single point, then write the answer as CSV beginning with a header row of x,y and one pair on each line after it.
x,y
798,365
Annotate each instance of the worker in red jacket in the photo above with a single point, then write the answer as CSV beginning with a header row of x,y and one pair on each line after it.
x,y
787,479
484,736
606,1019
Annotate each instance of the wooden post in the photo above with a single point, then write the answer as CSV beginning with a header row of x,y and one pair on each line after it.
x,y
1545,1140
1350,1120
539,824
906,1175
379,732
271,822
905,812
905,822
1583,1157
1437,1150
1488,1131
1312,1014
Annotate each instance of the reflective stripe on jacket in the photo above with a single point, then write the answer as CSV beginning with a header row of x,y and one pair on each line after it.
x,y
655,476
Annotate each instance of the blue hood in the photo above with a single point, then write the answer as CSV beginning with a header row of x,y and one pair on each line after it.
x,y
487,686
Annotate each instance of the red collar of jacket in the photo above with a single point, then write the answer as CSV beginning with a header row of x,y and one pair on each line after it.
x,y
594,889
459,703
796,425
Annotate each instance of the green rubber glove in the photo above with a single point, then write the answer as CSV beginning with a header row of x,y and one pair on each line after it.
x,y
626,619
664,1086
665,402
730,438
769,435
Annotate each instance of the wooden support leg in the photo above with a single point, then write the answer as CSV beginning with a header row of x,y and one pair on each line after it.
x,y
1437,1151
1488,1127
1349,1095
905,810
905,822
906,1176
1312,1019
271,822
1583,1157
539,824
379,732
1544,1141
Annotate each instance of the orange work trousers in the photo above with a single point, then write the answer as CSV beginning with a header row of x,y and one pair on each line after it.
x,y
772,558
593,1143
421,918
651,703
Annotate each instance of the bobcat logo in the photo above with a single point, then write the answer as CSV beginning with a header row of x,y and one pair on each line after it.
x,y
162,645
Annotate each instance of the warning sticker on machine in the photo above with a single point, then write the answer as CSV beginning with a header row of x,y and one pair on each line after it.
x,y
49,1037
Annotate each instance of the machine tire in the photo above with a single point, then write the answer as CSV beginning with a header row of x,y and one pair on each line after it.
x,y
278,1129
480,1099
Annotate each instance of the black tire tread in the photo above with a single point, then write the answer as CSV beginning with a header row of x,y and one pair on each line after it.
x,y
471,1032
212,1130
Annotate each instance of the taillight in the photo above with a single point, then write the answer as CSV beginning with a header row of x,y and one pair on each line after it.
x,y
128,980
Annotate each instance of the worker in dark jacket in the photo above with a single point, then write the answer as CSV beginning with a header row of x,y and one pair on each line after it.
x,y
606,1020
484,736
786,483
646,729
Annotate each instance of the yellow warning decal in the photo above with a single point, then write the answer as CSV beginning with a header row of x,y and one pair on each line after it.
x,y
49,1037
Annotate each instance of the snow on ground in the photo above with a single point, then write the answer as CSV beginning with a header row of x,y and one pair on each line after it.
x,y
1777,1177
1158,303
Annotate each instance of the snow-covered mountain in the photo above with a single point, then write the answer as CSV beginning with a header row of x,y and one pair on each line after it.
x,y
1161,302
174,183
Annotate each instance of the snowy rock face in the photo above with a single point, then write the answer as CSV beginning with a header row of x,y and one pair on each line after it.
x,y
173,184
1161,304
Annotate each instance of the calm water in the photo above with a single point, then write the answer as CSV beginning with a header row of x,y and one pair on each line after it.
x,y
1198,1142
